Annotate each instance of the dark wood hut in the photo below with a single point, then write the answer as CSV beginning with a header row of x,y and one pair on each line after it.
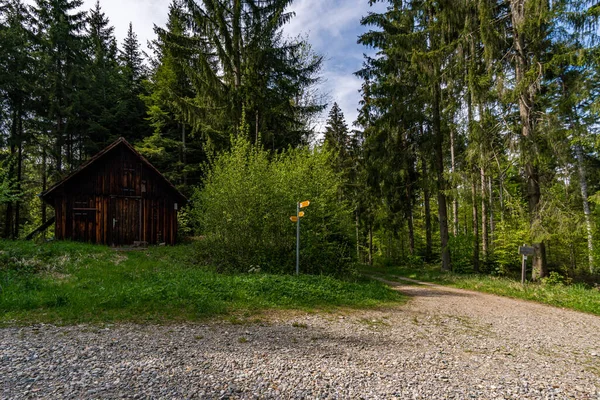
x,y
116,198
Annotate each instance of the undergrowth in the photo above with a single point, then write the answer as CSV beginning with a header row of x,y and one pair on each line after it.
x,y
66,283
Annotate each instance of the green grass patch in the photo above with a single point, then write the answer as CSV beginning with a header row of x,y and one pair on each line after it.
x,y
65,283
576,296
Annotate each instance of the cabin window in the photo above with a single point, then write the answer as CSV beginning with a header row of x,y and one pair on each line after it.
x,y
129,175
83,208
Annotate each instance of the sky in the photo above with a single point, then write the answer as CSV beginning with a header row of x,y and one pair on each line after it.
x,y
331,26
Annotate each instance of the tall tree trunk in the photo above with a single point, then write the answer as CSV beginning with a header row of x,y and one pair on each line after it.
x,y
491,210
586,206
409,206
539,269
501,195
237,46
455,197
184,154
69,152
357,236
9,217
475,226
58,145
256,127
44,187
484,221
371,244
409,221
441,182
470,71
526,105
19,177
8,221
427,199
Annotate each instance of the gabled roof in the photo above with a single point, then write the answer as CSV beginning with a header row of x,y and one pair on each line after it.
x,y
119,142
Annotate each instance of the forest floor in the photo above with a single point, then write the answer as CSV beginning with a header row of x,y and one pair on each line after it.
x,y
443,343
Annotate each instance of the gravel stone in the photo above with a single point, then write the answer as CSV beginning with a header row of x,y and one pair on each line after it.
x,y
444,344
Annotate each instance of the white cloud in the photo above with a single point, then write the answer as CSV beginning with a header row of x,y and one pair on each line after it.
x,y
143,14
333,27
343,89
325,20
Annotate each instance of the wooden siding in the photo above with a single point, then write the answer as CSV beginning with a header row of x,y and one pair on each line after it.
x,y
117,201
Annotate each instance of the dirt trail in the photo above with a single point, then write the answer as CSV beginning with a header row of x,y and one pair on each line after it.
x,y
444,343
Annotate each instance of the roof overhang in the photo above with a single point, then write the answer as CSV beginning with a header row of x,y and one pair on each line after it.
x,y
48,194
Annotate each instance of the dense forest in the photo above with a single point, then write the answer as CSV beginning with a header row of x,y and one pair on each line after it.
x,y
476,131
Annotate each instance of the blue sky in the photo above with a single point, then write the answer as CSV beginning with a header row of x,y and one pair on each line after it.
x,y
331,26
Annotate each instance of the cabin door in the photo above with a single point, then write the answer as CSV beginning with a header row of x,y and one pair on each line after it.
x,y
84,226
126,220
84,221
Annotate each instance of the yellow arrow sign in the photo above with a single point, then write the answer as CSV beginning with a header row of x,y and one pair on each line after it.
x,y
305,204
301,214
294,219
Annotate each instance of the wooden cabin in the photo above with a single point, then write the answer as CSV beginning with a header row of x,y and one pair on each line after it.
x,y
116,198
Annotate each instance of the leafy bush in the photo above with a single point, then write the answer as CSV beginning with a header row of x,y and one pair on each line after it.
x,y
556,278
461,250
509,236
244,212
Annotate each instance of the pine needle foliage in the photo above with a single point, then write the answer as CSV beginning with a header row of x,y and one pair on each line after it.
x,y
238,60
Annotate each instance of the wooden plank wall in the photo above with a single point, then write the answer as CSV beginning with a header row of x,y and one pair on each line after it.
x,y
116,201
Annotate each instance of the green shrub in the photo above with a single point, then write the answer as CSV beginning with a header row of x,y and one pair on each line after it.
x,y
461,250
509,236
244,212
556,278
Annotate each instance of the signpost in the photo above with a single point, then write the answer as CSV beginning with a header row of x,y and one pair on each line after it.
x,y
296,219
525,251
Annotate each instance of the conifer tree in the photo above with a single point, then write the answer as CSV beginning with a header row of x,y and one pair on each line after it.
x,y
337,138
60,52
416,40
172,147
239,63
16,75
131,112
102,73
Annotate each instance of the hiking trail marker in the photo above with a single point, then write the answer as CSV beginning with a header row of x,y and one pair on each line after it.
x,y
296,219
525,251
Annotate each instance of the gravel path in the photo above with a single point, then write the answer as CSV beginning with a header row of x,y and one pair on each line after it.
x,y
445,343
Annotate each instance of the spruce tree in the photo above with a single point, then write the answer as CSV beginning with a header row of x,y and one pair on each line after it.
x,y
173,147
16,76
61,60
239,63
102,89
416,39
131,112
337,138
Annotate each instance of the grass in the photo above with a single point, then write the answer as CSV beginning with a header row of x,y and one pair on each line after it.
x,y
577,296
67,283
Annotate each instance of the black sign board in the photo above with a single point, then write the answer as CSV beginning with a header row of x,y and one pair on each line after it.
x,y
526,250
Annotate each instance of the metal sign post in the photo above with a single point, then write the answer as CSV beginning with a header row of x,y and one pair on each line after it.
x,y
297,238
296,219
525,251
